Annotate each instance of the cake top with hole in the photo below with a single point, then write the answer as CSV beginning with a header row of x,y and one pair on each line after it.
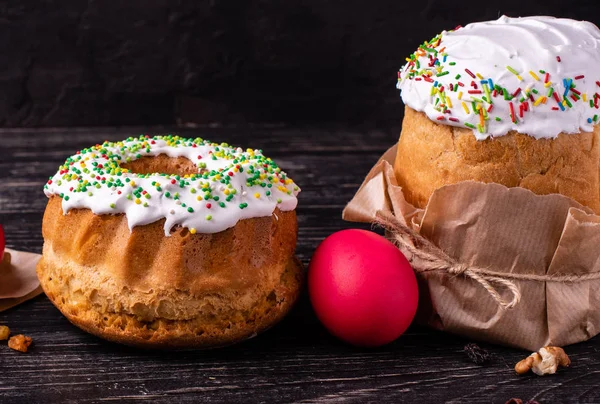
x,y
231,184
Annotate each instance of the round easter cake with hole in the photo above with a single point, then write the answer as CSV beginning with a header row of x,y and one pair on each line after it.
x,y
513,101
168,242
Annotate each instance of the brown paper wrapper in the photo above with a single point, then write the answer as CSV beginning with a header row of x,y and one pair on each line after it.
x,y
18,279
508,230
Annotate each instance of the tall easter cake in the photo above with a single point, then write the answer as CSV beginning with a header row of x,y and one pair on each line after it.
x,y
513,101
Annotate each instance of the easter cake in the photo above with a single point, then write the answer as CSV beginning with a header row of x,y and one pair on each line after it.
x,y
513,101
170,242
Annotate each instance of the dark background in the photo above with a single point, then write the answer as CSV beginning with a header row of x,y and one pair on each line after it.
x,y
140,62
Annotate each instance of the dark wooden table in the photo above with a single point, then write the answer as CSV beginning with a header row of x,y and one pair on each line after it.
x,y
296,361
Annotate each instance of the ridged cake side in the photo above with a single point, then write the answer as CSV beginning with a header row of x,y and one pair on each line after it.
x,y
143,288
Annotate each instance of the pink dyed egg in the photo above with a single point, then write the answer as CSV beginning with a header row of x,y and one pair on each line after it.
x,y
362,288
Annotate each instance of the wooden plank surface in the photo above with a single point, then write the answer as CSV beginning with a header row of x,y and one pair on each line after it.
x,y
296,361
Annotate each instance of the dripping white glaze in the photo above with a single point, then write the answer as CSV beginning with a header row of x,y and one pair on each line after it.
x,y
562,48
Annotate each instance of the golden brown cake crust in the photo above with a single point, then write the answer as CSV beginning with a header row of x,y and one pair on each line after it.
x,y
187,290
431,155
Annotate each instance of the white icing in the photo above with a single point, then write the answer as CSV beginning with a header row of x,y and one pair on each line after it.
x,y
261,200
525,44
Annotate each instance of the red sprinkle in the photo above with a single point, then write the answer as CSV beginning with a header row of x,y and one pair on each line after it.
x,y
440,118
173,181
575,91
558,58
453,119
547,77
521,110
144,192
474,91
556,97
470,73
517,91
574,98
427,79
579,77
555,108
418,79
512,112
199,157
230,174
490,108
462,85
598,83
208,206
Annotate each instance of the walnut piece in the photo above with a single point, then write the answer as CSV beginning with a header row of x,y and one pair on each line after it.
x,y
19,343
4,332
544,362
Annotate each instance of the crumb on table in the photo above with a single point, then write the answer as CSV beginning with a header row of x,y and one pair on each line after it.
x,y
19,343
4,332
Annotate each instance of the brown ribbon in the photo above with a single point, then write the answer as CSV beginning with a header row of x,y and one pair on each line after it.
x,y
433,258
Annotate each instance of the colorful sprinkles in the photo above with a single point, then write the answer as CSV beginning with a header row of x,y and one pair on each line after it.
x,y
478,93
230,178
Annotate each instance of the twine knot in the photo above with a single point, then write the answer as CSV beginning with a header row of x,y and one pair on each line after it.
x,y
426,256
432,258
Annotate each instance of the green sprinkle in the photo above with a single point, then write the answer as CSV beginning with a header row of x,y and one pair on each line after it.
x,y
190,210
468,125
208,217
513,71
112,205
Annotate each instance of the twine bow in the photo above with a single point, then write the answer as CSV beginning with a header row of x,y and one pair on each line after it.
x,y
433,258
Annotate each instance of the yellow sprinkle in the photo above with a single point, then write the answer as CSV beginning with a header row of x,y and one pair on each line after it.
x,y
408,59
448,102
584,95
257,195
479,76
535,76
460,95
132,183
226,192
199,198
235,169
288,181
137,201
548,84
520,78
263,176
192,231
538,101
465,107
